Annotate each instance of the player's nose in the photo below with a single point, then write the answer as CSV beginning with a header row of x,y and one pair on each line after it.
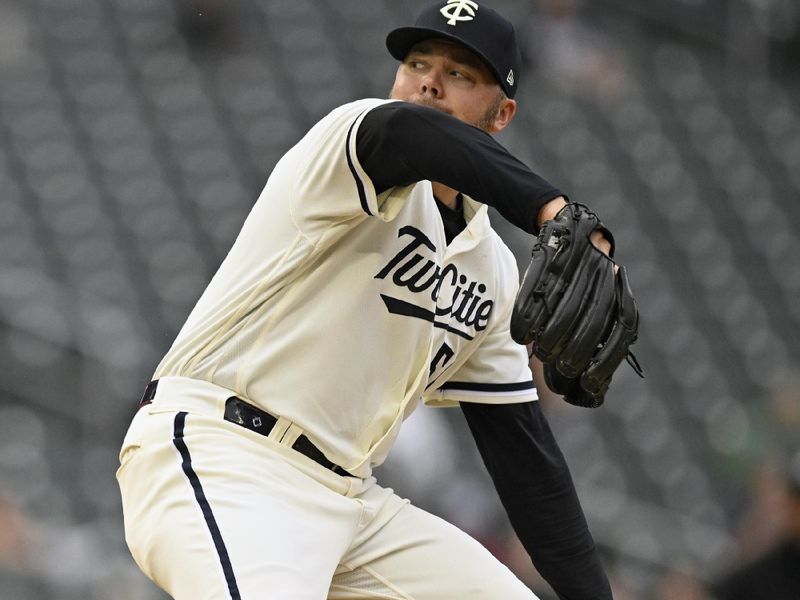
x,y
431,85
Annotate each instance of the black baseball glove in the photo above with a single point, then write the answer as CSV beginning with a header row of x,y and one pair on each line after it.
x,y
577,312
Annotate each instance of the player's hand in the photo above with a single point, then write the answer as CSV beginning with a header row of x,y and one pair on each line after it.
x,y
601,242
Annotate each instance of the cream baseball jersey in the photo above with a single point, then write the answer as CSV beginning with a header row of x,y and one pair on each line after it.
x,y
340,309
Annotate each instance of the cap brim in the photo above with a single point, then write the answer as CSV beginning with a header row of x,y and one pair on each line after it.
x,y
401,40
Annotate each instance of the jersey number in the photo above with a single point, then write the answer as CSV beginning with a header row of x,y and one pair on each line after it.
x,y
442,357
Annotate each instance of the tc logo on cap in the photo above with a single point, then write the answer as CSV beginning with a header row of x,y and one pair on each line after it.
x,y
454,8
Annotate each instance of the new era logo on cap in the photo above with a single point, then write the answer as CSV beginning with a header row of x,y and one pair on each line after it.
x,y
454,11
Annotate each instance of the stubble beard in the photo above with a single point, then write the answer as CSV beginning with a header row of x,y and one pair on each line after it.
x,y
487,121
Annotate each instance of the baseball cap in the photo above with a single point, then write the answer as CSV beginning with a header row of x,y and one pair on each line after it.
x,y
478,27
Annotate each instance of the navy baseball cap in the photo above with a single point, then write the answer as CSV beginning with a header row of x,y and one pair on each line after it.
x,y
478,27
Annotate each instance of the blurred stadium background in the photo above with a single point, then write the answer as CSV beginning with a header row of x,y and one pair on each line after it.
x,y
135,135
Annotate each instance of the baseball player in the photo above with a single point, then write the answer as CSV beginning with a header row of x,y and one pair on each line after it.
x,y
367,279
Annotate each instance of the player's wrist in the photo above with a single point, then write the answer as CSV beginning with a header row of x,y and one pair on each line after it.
x,y
549,211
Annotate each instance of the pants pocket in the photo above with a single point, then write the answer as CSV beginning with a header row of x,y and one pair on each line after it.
x,y
134,438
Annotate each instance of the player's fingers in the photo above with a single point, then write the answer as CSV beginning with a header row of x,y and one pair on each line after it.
x,y
600,242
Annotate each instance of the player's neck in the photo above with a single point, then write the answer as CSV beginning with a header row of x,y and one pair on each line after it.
x,y
446,195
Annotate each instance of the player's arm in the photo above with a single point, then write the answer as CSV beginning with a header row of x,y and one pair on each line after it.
x,y
400,143
536,489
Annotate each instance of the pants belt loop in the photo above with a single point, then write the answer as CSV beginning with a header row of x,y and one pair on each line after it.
x,y
149,393
279,430
292,433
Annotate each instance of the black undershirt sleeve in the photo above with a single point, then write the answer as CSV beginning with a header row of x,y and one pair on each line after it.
x,y
400,143
536,489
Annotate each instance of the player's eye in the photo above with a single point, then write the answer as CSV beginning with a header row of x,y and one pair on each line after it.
x,y
461,75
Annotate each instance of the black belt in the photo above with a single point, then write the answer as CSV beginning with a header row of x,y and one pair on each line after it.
x,y
248,416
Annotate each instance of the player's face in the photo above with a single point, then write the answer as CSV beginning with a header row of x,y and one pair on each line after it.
x,y
449,77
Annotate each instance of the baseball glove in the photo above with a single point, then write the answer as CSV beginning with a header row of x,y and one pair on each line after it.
x,y
578,313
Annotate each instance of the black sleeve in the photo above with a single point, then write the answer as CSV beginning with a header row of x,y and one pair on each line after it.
x,y
400,143
536,489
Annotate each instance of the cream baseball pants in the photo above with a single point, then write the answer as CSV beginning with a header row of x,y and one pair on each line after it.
x,y
213,510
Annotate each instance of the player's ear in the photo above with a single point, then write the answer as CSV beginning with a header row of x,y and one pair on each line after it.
x,y
505,114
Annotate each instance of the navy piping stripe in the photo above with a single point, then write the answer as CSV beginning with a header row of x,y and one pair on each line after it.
x,y
362,194
199,494
488,387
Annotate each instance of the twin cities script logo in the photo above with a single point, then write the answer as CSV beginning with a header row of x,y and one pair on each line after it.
x,y
459,10
420,275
